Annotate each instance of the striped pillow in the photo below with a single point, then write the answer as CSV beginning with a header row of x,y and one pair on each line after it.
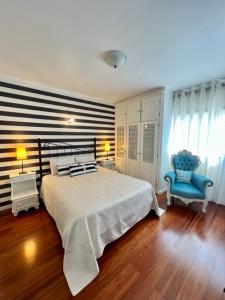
x,y
82,169
88,163
60,161
90,167
76,170
63,170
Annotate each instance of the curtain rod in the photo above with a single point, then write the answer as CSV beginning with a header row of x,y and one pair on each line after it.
x,y
197,88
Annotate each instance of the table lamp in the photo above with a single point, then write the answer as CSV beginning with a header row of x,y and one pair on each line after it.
x,y
21,154
107,149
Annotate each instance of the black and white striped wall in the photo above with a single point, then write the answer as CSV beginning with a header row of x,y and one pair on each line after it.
x,y
27,114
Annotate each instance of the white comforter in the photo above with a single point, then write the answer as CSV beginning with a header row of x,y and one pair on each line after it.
x,y
91,211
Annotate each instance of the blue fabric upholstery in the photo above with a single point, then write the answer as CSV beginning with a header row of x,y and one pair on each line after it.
x,y
185,161
171,177
200,182
186,190
196,189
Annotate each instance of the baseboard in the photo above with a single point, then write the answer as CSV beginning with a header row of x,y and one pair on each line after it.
x,y
5,207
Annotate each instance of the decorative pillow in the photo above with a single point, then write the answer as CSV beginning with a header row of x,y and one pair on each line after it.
x,y
77,170
82,169
63,170
60,161
90,167
88,163
183,176
85,158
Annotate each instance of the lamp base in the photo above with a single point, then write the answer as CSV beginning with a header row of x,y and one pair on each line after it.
x,y
21,173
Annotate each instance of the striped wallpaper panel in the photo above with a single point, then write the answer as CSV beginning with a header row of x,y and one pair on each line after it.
x,y
27,114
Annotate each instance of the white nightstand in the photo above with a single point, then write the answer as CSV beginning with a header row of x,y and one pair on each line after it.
x,y
24,192
108,164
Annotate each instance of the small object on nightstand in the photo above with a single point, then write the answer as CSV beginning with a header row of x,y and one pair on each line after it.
x,y
24,192
108,164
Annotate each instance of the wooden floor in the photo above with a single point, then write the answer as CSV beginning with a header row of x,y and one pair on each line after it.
x,y
179,256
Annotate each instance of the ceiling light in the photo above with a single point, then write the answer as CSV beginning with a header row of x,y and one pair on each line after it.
x,y
115,58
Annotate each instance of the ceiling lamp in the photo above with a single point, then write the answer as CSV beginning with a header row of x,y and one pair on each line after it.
x,y
115,58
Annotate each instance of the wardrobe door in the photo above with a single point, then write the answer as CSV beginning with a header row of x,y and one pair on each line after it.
x,y
120,113
150,108
133,134
133,111
120,147
148,159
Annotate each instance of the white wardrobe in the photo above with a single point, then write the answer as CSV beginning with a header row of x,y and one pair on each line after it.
x,y
138,136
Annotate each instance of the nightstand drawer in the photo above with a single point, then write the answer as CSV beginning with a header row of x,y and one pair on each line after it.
x,y
24,193
25,202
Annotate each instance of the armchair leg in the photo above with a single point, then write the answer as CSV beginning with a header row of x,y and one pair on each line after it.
x,y
168,200
205,203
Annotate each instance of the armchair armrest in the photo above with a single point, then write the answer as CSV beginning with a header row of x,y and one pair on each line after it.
x,y
170,177
201,182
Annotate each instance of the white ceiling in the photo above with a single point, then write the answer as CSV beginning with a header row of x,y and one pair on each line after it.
x,y
60,43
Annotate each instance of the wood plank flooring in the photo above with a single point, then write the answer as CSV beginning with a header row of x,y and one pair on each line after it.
x,y
179,256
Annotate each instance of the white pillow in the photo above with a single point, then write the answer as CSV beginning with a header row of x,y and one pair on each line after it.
x,y
60,161
84,158
183,176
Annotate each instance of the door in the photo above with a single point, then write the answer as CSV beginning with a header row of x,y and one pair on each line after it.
x,y
148,158
133,111
133,134
120,113
120,147
150,108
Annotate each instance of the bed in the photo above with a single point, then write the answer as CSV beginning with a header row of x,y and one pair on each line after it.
x,y
90,211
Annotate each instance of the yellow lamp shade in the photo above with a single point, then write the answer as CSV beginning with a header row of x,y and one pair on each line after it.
x,y
107,147
21,153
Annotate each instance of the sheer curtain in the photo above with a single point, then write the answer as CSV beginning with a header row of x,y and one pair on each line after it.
x,y
198,125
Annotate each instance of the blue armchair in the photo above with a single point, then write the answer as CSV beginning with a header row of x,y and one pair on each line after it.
x,y
188,192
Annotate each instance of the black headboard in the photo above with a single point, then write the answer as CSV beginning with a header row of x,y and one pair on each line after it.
x,y
57,149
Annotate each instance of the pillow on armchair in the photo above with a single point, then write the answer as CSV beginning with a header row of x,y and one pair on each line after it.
x,y
183,176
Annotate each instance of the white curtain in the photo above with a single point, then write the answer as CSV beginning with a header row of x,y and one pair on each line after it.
x,y
198,125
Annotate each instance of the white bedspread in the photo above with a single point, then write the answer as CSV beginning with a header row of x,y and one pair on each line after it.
x,y
91,211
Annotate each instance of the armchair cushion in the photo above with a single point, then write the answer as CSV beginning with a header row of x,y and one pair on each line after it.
x,y
186,190
200,182
183,176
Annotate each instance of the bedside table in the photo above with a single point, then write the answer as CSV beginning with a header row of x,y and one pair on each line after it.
x,y
108,164
24,192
